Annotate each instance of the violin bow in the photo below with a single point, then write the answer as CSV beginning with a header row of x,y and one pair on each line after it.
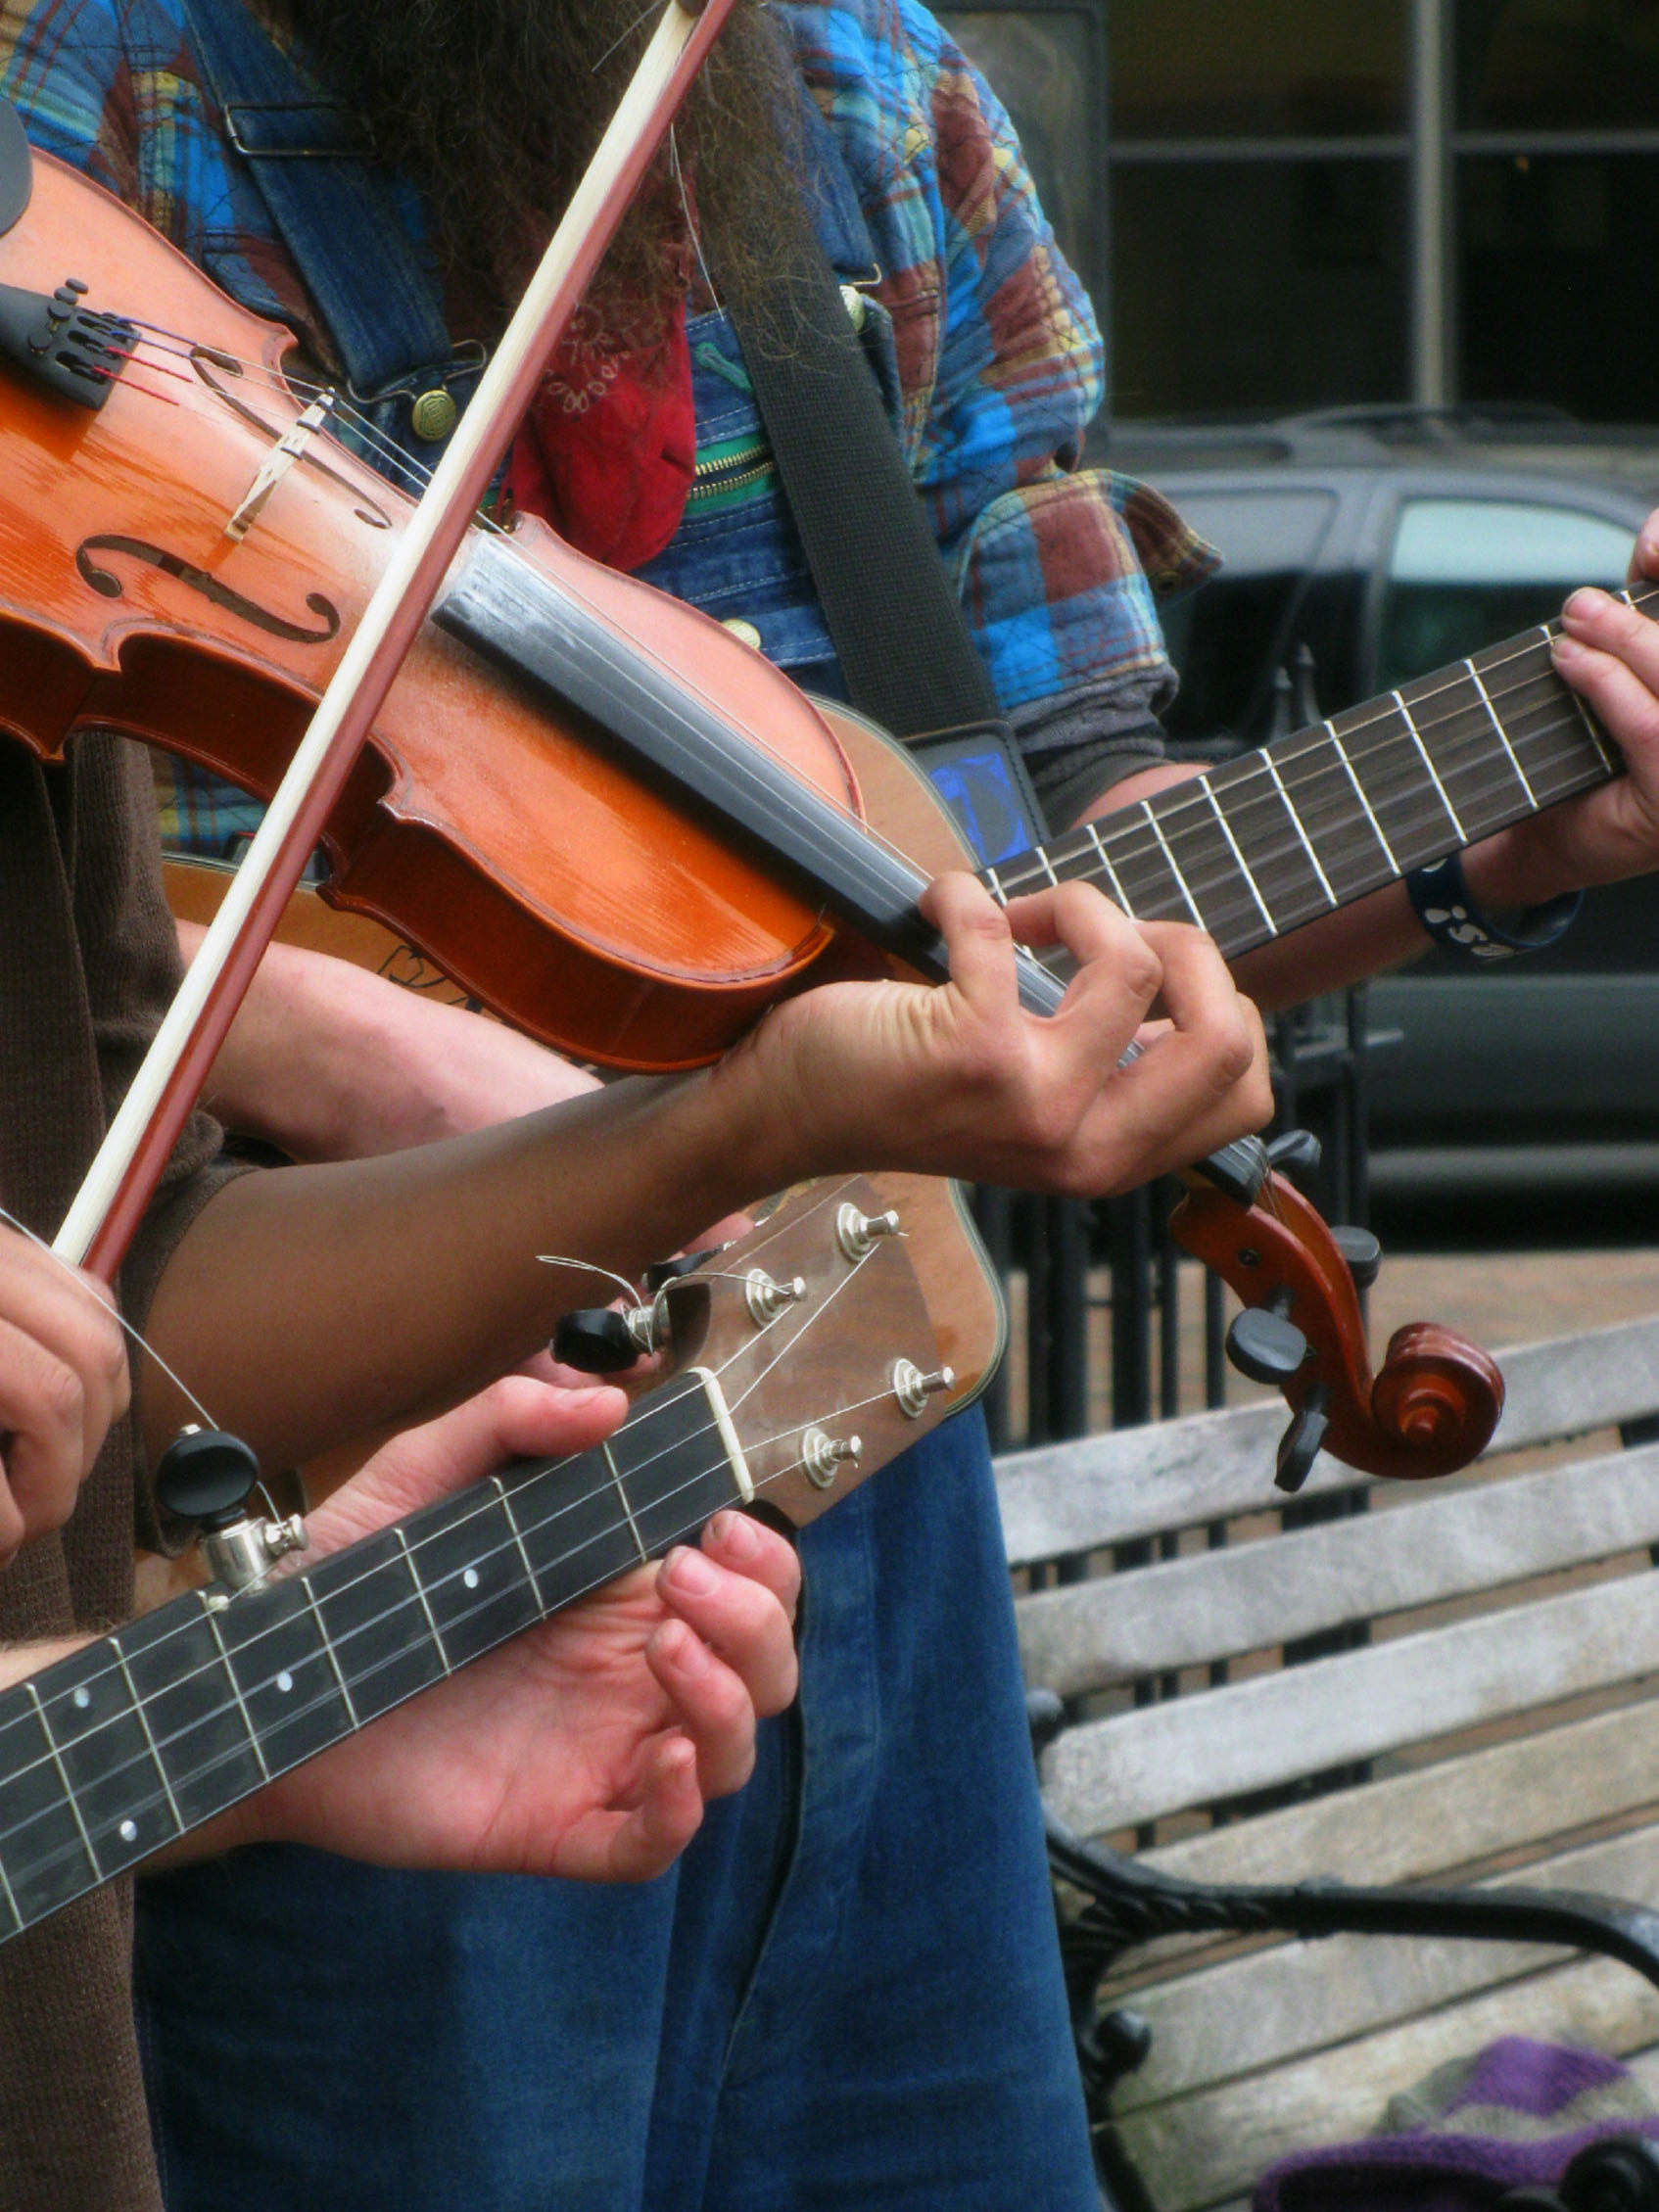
x,y
110,1201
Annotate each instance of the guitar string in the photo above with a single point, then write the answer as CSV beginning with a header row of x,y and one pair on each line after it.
x,y
413,1600
486,1503
1386,718
330,1696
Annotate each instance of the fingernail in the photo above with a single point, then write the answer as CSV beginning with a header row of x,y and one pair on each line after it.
x,y
690,1570
684,1650
735,1535
1583,604
1565,651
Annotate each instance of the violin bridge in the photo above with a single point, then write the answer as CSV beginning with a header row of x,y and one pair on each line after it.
x,y
276,464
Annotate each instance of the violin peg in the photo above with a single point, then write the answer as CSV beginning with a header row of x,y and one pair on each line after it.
x,y
1361,1250
1299,1445
1265,1347
1298,1148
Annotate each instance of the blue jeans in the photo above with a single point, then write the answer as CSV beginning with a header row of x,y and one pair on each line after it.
x,y
845,1996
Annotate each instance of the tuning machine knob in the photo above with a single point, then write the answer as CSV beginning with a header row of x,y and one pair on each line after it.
x,y
858,1232
822,1454
208,1476
766,1300
912,1388
601,1340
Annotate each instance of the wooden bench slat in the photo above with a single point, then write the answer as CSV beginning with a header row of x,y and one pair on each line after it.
x,y
1062,1499
1201,2149
1413,1826
1255,1595
1283,2004
1106,1774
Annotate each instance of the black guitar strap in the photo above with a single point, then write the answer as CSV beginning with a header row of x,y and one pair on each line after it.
x,y
899,631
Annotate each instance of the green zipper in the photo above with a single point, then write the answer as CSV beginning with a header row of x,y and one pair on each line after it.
x,y
728,469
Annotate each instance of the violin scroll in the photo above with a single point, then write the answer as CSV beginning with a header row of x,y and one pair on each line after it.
x,y
1432,1405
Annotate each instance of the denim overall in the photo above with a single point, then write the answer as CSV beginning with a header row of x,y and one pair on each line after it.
x,y
845,1996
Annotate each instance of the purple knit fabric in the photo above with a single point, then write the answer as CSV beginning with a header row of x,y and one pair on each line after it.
x,y
1424,2168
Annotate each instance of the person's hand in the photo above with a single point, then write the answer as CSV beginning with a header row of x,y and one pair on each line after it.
x,y
1610,655
587,1746
958,1079
63,1385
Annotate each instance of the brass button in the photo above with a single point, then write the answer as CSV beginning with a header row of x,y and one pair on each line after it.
x,y
852,298
746,630
434,414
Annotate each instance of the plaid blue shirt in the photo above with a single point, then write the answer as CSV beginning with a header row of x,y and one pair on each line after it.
x,y
999,359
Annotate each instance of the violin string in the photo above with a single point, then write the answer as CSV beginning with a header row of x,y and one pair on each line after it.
x,y
512,1544
650,1411
96,1291
1288,756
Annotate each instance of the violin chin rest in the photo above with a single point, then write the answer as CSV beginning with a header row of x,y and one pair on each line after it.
x,y
17,168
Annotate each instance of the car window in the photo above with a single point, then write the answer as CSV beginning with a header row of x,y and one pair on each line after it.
x,y
1225,638
1465,573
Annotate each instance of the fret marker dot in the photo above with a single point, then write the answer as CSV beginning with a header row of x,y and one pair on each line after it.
x,y
129,1831
285,1682
83,1699
470,1577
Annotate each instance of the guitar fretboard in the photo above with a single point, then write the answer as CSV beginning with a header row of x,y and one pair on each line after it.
x,y
119,1749
1275,838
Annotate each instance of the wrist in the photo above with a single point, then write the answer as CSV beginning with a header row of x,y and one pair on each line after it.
x,y
1506,875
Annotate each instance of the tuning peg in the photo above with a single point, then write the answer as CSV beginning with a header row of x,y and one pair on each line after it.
x,y
1265,1346
1361,1250
205,1476
1299,1446
597,1340
1296,1148
662,1272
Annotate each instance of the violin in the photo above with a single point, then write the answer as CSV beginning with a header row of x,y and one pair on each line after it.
x,y
661,833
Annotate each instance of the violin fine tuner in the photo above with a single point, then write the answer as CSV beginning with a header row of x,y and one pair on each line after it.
x,y
208,1476
857,1232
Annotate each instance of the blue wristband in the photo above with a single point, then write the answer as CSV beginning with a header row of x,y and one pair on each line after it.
x,y
1441,901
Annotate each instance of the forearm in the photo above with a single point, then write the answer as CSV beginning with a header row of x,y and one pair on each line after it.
x,y
309,1305
332,1061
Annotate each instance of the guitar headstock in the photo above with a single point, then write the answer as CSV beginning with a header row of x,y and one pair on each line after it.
x,y
855,1318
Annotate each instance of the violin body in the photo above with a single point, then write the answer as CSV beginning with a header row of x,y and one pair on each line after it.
x,y
532,866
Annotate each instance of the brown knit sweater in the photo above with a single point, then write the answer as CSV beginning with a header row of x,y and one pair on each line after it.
x,y
87,962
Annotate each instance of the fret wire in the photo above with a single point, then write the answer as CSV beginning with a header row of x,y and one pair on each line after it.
x,y
1296,819
420,1592
1039,854
1175,869
1244,865
500,1490
990,877
236,1689
1584,712
63,1777
628,1510
304,1582
1417,741
639,1420
1360,794
148,1733
1503,734
1551,729
18,1919
688,1528
1119,892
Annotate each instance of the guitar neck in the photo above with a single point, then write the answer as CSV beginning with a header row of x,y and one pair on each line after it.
x,y
135,1739
1276,838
